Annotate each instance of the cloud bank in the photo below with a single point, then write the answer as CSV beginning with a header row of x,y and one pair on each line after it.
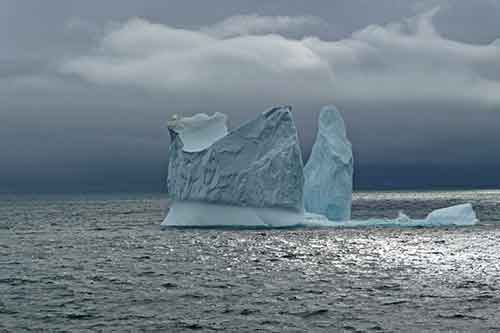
x,y
86,93
247,56
240,25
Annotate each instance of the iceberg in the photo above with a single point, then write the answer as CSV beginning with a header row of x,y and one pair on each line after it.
x,y
328,173
257,166
456,215
254,176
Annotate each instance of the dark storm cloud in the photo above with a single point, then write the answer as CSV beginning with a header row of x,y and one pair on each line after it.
x,y
85,87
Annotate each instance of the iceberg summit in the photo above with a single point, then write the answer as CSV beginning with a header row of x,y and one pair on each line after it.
x,y
254,176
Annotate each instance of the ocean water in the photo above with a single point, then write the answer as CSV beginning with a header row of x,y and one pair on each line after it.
x,y
101,263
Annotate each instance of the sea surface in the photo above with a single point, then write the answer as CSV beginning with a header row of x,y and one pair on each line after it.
x,y
101,263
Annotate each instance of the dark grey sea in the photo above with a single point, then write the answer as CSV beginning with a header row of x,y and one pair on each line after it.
x,y
90,263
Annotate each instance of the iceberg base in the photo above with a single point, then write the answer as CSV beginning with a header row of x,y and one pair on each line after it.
x,y
197,214
194,214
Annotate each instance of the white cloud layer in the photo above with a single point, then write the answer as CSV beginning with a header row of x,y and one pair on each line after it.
x,y
240,25
245,56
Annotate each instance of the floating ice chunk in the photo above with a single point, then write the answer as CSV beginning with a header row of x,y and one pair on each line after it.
x,y
460,215
329,170
199,131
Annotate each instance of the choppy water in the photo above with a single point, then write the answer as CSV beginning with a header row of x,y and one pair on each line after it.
x,y
101,263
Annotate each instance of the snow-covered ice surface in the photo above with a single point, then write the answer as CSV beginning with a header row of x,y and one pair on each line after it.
x,y
328,172
191,214
199,131
256,165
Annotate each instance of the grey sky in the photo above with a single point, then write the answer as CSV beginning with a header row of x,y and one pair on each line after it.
x,y
86,86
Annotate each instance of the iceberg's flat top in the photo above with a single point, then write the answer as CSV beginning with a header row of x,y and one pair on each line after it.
x,y
199,131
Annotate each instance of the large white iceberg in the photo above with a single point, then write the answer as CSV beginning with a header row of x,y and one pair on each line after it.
x,y
254,176
258,165
328,172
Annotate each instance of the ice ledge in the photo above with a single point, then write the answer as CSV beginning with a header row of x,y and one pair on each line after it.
x,y
200,214
459,215
196,214
199,131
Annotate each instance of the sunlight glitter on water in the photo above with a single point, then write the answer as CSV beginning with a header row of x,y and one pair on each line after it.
x,y
101,263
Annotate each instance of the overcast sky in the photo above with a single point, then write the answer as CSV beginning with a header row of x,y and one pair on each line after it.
x,y
86,87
